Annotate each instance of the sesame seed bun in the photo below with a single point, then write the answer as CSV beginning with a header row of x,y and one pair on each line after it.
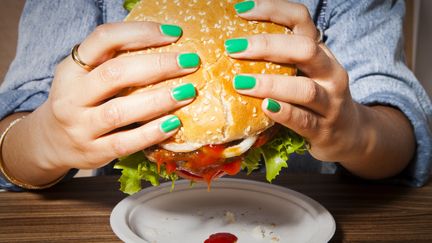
x,y
218,114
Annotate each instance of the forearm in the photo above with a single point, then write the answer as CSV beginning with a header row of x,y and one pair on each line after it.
x,y
23,149
384,143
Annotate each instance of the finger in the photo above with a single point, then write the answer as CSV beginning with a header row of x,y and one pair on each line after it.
x,y
108,39
293,15
138,70
130,141
139,107
301,121
279,48
295,90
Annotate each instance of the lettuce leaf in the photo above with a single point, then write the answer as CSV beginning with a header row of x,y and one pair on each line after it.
x,y
275,153
136,168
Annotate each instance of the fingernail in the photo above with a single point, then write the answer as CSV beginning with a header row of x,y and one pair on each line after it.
x,y
273,105
171,30
244,82
184,92
244,6
236,45
188,60
170,124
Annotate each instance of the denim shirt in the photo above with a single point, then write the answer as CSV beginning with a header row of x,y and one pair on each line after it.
x,y
365,36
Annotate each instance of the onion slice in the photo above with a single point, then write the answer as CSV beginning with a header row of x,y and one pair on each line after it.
x,y
233,151
240,148
181,147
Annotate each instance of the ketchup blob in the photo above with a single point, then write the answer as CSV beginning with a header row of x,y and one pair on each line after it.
x,y
221,238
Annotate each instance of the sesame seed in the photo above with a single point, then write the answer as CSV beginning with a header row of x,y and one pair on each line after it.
x,y
248,129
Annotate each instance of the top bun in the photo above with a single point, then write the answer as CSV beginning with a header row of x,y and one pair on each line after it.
x,y
218,114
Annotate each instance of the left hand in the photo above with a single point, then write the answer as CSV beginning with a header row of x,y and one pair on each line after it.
x,y
318,106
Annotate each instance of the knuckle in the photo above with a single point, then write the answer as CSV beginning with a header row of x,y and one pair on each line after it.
x,y
102,32
344,83
162,60
267,85
267,8
159,63
264,43
339,87
118,147
146,27
310,49
311,92
110,72
307,122
287,115
112,114
79,141
58,111
146,141
302,13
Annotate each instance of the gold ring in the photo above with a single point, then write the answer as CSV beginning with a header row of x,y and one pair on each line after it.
x,y
77,59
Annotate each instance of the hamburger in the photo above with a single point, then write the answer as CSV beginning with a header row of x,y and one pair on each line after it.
x,y
222,131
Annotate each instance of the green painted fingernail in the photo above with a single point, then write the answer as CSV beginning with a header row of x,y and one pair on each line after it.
x,y
244,82
273,105
244,6
170,124
184,92
171,30
188,60
236,45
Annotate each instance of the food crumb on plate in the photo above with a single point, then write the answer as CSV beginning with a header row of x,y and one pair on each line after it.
x,y
229,217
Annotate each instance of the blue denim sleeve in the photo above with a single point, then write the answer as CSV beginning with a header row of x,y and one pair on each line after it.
x,y
47,32
367,39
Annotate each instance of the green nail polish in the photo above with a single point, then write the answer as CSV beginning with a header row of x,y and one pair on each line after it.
x,y
171,30
184,92
244,82
244,6
236,45
188,60
273,105
170,124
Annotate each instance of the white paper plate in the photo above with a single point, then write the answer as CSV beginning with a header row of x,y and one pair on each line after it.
x,y
253,211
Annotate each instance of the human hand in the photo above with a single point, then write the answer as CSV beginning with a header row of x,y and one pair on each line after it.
x,y
80,121
318,106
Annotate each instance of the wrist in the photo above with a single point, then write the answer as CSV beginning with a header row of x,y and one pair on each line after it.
x,y
22,156
359,136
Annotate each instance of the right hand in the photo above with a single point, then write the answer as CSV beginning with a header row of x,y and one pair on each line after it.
x,y
81,115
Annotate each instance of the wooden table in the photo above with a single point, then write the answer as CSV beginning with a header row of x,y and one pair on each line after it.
x,y
79,210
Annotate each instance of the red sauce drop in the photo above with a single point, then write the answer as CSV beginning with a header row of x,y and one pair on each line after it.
x,y
221,238
207,162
